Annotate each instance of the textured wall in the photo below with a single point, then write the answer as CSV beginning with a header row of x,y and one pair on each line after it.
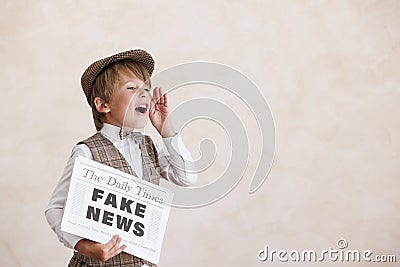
x,y
329,69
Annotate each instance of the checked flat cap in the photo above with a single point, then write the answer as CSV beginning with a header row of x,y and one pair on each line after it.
x,y
97,67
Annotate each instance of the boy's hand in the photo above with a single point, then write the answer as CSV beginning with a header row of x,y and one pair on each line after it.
x,y
99,251
159,113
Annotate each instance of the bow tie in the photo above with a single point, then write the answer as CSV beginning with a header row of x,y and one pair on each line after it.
x,y
136,136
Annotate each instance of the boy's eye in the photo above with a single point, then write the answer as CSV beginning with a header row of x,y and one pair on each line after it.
x,y
134,88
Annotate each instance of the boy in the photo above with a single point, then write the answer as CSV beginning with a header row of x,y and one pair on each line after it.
x,y
118,90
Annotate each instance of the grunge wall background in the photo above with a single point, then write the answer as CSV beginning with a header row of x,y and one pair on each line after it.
x,y
330,71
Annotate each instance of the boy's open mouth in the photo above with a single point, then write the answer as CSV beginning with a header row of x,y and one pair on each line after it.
x,y
142,108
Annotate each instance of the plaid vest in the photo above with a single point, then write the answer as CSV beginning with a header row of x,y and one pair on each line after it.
x,y
105,152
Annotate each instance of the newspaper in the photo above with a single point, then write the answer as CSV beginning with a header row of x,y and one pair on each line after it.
x,y
103,202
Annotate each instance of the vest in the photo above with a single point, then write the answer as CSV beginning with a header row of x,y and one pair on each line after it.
x,y
105,152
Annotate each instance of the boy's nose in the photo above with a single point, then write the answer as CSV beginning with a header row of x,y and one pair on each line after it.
x,y
143,93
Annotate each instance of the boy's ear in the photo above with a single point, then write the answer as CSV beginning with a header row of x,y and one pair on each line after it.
x,y
101,105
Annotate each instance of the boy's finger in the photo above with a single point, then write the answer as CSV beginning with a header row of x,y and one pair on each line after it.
x,y
152,106
119,250
165,100
116,247
156,95
115,250
161,97
110,244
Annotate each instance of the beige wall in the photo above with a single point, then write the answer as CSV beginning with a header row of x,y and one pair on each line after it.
x,y
329,69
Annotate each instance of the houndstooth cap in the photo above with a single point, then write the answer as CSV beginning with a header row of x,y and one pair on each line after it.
x,y
96,68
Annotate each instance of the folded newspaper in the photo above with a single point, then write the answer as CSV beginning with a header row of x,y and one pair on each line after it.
x,y
103,202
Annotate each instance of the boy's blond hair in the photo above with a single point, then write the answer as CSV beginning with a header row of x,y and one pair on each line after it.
x,y
104,84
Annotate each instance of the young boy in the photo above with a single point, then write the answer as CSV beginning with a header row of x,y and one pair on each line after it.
x,y
118,90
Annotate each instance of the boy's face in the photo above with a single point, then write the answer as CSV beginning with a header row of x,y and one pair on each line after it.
x,y
130,102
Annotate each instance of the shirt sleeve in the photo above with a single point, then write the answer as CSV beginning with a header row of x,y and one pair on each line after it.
x,y
176,163
55,209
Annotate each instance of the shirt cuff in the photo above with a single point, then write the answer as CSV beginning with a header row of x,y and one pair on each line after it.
x,y
71,239
174,145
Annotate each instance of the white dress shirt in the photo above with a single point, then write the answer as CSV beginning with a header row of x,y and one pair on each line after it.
x,y
181,172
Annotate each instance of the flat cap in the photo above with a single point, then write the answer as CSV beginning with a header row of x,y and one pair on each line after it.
x,y
97,67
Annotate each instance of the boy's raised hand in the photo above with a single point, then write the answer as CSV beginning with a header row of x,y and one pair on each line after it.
x,y
159,113
100,251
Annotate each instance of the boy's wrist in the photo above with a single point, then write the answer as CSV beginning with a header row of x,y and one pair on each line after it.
x,y
168,134
167,131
